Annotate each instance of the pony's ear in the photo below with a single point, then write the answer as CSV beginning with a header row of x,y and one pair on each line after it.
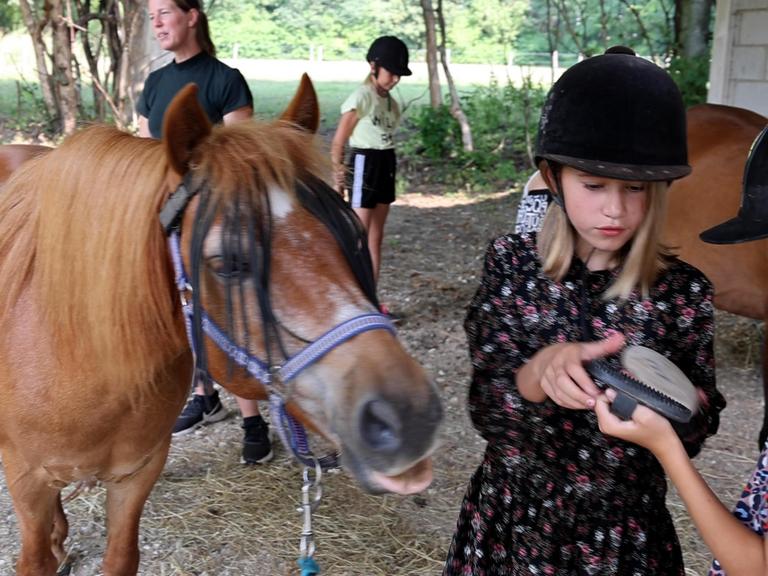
x,y
185,125
303,110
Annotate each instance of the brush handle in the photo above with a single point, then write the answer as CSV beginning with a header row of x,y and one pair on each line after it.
x,y
606,376
623,406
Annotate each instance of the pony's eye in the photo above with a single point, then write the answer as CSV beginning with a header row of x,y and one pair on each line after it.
x,y
228,268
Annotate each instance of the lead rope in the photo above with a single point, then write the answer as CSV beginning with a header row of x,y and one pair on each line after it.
x,y
312,479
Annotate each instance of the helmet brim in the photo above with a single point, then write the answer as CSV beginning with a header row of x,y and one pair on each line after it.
x,y
641,173
735,230
397,71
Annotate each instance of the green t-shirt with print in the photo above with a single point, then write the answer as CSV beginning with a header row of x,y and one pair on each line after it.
x,y
378,116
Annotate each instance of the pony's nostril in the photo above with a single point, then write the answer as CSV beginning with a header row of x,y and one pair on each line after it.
x,y
380,426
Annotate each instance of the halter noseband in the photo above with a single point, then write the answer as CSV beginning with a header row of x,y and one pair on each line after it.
x,y
291,432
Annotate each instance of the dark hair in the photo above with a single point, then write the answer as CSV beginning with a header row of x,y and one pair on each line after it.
x,y
202,31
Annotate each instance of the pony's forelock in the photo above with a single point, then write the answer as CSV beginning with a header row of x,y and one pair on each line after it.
x,y
254,156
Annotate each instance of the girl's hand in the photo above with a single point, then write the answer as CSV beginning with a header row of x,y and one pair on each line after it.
x,y
564,378
339,173
646,428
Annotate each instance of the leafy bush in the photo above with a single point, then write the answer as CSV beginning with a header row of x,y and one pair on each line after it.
x,y
503,119
10,17
691,76
437,131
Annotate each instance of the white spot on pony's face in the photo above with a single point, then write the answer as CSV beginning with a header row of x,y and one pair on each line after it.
x,y
280,201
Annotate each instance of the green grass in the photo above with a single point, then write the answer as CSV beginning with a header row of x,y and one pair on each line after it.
x,y
22,98
271,97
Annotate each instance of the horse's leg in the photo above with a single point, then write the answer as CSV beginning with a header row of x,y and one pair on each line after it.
x,y
764,430
60,531
125,502
35,504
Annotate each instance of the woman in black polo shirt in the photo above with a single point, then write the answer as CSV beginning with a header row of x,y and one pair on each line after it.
x,y
181,27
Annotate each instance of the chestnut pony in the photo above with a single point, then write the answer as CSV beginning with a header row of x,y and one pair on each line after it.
x,y
719,138
13,155
95,363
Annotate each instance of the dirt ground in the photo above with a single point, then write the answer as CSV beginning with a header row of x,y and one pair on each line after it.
x,y
209,515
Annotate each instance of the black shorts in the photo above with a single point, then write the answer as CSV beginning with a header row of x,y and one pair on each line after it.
x,y
371,177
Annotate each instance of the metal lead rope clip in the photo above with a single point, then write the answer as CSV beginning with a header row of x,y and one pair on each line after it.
x,y
312,479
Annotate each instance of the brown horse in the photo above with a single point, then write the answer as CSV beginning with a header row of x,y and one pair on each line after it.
x,y
95,364
13,155
719,138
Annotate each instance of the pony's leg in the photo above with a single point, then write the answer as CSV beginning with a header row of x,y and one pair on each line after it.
x,y
60,531
35,504
125,502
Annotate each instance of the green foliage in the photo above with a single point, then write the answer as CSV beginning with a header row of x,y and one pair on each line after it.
x,y
10,17
691,75
482,31
291,29
478,30
503,121
437,131
588,27
22,109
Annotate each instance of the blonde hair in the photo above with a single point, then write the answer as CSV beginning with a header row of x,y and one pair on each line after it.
x,y
642,258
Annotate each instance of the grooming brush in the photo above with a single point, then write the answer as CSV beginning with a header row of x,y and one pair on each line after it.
x,y
652,381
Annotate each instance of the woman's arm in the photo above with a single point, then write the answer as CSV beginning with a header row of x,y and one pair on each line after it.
x,y
739,550
346,126
244,113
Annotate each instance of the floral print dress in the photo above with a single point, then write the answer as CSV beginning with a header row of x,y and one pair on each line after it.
x,y
752,507
553,495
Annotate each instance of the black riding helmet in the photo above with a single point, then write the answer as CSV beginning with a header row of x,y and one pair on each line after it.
x,y
616,115
751,223
391,53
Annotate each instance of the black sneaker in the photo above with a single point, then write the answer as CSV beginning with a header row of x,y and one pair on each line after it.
x,y
257,447
198,411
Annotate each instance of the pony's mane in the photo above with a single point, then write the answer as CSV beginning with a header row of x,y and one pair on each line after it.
x,y
79,230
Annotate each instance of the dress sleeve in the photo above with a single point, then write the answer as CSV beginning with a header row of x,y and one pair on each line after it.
x,y
699,365
498,345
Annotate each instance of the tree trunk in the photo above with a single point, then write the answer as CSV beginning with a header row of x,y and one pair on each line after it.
x,y
64,84
692,19
35,27
435,93
456,111
140,52
114,39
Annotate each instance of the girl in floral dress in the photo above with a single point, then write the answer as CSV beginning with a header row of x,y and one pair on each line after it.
x,y
737,540
553,495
